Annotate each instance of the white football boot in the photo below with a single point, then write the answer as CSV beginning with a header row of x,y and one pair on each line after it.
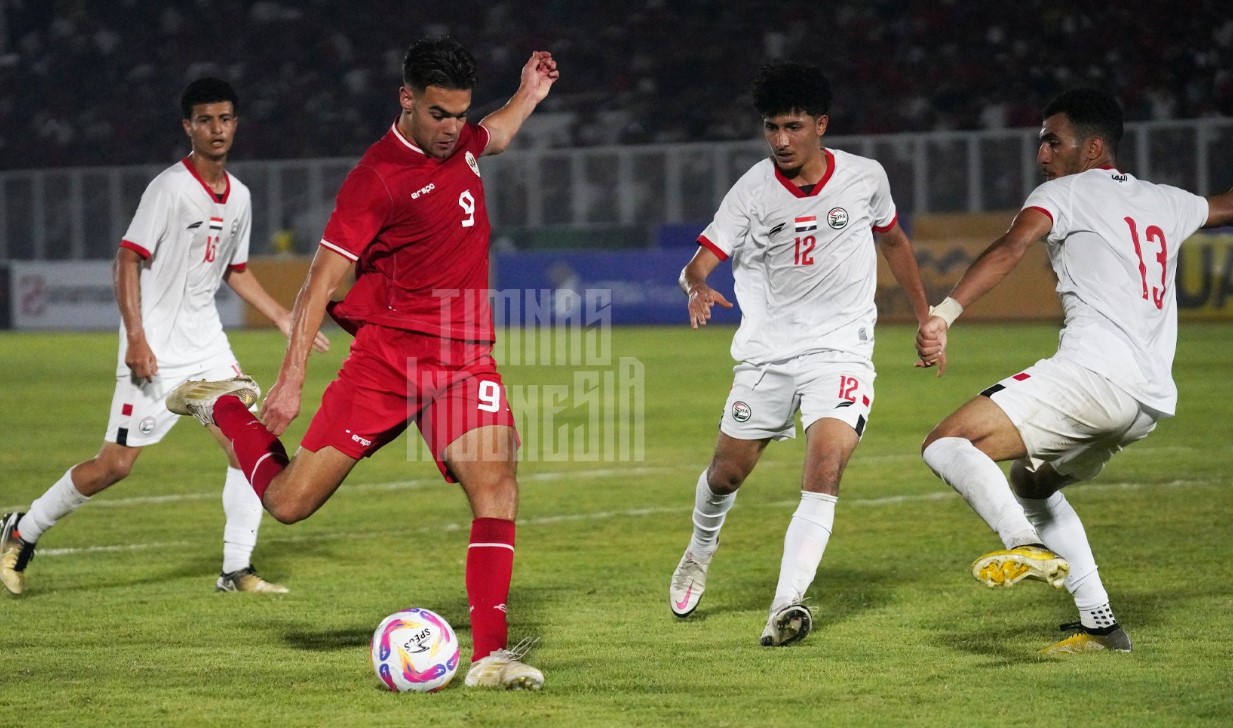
x,y
15,554
787,625
196,397
688,582
504,668
247,580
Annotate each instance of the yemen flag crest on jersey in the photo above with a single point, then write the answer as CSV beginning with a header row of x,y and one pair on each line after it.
x,y
805,224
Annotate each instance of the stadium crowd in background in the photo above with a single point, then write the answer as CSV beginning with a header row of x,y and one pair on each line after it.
x,y
654,71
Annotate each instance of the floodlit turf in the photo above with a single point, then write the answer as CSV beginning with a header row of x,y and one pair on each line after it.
x,y
120,624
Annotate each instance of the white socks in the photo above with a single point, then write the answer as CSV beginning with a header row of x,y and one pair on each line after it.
x,y
803,545
58,501
243,510
1061,530
240,504
983,485
710,511
1099,618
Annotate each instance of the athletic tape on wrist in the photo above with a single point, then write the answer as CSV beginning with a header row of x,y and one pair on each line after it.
x,y
948,310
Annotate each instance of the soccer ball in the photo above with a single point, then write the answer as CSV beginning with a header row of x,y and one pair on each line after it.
x,y
415,650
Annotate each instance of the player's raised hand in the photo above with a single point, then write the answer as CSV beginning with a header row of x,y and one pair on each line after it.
x,y
539,74
701,298
931,344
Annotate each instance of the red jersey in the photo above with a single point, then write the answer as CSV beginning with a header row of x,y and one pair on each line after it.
x,y
417,228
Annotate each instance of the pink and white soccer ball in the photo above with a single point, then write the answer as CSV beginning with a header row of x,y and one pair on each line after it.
x,y
415,650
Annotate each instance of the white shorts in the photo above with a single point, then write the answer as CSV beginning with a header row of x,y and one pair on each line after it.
x,y
1071,417
139,414
765,398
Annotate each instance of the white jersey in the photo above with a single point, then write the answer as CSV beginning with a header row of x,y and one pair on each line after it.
x,y
1114,248
804,263
189,237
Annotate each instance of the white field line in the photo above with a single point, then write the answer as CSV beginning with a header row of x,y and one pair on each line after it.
x,y
567,476
590,515
564,475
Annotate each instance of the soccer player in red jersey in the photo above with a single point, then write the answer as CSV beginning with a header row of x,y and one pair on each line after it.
x,y
411,218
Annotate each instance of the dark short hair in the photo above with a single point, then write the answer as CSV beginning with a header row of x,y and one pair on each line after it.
x,y
207,91
787,86
440,62
1093,112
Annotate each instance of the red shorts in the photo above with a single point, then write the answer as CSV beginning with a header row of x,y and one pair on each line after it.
x,y
392,377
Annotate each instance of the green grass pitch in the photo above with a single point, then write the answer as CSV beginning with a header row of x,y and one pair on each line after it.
x,y
120,625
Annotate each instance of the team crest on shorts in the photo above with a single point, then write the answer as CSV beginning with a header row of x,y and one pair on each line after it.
x,y
146,426
837,218
472,163
741,411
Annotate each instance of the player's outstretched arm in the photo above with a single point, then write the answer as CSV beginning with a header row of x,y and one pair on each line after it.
x,y
1000,258
282,404
693,283
126,277
248,287
538,75
1220,210
989,268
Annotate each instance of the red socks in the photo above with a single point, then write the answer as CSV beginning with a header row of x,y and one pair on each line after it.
x,y
261,455
490,564
490,555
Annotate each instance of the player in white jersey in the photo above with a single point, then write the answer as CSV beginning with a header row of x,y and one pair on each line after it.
x,y
190,233
800,230
1113,241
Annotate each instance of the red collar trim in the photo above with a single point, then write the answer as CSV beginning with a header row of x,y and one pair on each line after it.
x,y
817,188
188,164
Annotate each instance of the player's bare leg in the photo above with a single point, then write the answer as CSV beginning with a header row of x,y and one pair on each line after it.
x,y
483,461
306,483
290,489
964,450
984,424
714,495
300,486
